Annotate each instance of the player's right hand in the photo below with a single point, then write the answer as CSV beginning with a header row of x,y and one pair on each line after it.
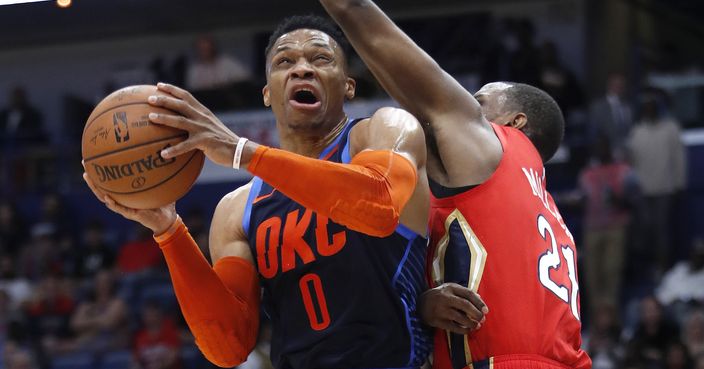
x,y
205,131
158,220
453,308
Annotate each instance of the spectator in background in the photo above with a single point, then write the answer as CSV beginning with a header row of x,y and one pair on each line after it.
x,y
658,157
48,313
41,255
693,332
20,122
683,284
611,115
12,330
8,313
140,256
20,359
158,69
18,288
677,356
603,343
13,232
100,322
173,72
178,70
95,253
558,81
652,336
525,59
501,42
55,215
157,342
213,70
5,310
608,187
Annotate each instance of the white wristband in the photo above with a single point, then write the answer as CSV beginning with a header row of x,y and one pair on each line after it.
x,y
238,152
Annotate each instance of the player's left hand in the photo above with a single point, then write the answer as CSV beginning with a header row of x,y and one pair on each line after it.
x,y
158,220
205,131
453,308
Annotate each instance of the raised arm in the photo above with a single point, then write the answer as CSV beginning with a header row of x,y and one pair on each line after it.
x,y
405,71
422,87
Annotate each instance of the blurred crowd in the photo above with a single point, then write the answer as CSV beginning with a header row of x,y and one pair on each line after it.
x,y
81,295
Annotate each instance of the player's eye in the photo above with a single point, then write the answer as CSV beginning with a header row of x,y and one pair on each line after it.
x,y
283,61
322,57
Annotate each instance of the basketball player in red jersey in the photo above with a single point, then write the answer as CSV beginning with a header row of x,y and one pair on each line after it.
x,y
495,230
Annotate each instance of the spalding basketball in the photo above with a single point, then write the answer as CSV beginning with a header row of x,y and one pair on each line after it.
x,y
121,151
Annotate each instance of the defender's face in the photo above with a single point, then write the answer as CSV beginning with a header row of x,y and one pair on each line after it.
x,y
306,78
492,98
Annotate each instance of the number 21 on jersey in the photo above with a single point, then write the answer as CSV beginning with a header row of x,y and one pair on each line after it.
x,y
551,260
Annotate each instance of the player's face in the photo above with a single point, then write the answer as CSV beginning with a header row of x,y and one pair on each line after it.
x,y
307,80
492,98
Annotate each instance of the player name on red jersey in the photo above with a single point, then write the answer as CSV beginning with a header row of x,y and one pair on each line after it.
x,y
535,179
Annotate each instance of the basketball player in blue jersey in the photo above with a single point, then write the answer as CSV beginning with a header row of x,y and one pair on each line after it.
x,y
332,228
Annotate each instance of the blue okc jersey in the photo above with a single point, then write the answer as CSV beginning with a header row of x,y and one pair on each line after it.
x,y
336,298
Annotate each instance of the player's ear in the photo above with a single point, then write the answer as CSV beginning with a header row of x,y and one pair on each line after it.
x,y
519,121
265,95
350,86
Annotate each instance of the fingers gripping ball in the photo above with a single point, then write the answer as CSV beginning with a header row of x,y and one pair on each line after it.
x,y
121,151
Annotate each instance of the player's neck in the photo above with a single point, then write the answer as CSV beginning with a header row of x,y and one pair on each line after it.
x,y
313,142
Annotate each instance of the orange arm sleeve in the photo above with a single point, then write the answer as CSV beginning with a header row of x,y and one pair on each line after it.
x,y
220,304
366,195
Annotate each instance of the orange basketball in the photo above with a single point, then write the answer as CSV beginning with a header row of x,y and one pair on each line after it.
x,y
121,151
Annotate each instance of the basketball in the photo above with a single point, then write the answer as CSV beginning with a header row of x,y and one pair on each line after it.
x,y
121,151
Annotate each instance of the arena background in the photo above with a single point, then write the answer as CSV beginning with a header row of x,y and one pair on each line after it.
x,y
60,249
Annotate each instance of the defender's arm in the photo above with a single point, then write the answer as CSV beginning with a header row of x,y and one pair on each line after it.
x,y
422,87
405,71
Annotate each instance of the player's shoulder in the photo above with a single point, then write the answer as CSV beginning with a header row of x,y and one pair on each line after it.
x,y
240,194
232,205
388,118
388,125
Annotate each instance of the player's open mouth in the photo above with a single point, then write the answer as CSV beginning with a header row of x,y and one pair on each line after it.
x,y
305,99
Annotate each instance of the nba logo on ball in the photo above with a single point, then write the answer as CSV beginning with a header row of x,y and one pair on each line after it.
x,y
122,132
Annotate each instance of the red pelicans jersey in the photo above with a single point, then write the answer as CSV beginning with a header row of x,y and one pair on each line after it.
x,y
506,240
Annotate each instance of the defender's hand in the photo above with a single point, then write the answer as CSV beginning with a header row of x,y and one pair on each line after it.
x,y
453,308
205,131
158,220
